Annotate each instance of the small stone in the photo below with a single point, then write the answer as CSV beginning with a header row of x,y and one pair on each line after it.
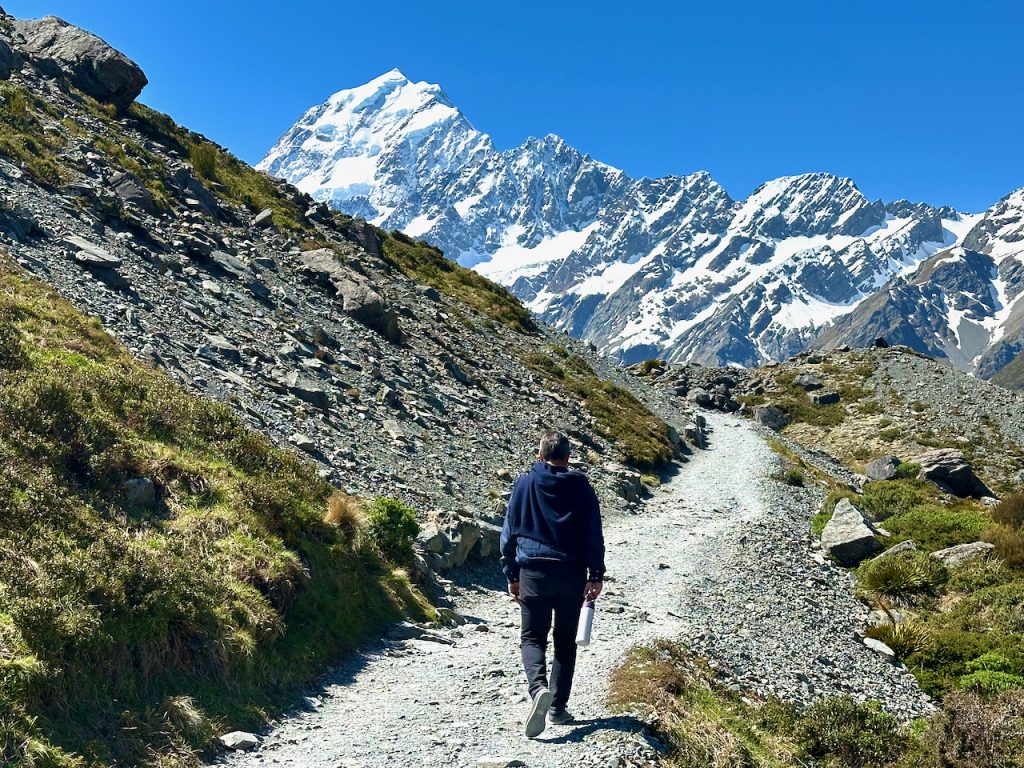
x,y
139,492
264,218
240,740
963,553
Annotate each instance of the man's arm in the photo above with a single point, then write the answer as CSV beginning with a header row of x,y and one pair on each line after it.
x,y
594,544
509,541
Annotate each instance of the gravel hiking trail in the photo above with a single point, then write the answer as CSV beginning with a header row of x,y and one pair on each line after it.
x,y
458,698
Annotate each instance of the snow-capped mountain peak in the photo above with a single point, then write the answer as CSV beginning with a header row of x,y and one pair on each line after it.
x,y
669,266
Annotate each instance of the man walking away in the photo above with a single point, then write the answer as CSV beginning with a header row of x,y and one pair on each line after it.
x,y
552,552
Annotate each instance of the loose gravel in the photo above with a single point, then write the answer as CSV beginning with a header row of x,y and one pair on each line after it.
x,y
720,557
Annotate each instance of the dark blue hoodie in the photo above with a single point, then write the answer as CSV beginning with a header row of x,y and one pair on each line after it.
x,y
553,514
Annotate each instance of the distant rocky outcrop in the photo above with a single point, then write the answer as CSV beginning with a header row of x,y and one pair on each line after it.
x,y
89,63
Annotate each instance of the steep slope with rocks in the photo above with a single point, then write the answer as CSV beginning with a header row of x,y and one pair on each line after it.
x,y
303,320
962,305
669,267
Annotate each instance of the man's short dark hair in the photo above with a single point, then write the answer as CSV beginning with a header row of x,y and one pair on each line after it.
x,y
554,446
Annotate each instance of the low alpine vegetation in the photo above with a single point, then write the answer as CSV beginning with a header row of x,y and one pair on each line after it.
x,y
165,572
705,723
642,438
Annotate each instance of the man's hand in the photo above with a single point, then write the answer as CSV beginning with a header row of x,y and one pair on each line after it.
x,y
593,590
513,589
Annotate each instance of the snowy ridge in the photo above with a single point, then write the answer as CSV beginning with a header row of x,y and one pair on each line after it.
x,y
641,267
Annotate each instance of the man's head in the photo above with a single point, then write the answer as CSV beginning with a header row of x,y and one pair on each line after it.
x,y
554,449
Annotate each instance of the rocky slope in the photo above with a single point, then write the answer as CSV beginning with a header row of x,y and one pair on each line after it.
x,y
962,304
250,293
670,267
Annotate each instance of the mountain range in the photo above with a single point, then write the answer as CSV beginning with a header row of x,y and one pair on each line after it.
x,y
672,267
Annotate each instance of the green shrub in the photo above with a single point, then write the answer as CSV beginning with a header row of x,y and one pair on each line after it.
x,y
647,367
934,527
905,637
1010,511
819,521
990,681
901,577
977,574
203,157
908,470
841,732
884,498
123,631
793,477
391,526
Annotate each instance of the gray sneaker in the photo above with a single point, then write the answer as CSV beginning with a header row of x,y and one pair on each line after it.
x,y
559,716
537,720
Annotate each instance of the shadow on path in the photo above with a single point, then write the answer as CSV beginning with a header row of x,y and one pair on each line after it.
x,y
583,728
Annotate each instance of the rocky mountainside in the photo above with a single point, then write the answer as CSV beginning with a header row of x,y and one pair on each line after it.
x,y
398,372
670,267
962,304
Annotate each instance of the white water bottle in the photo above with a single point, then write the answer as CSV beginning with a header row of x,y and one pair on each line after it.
x,y
586,623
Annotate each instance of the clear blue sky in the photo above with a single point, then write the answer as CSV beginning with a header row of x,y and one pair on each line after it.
x,y
915,99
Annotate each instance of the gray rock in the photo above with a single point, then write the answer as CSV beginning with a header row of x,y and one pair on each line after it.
x,y
307,391
808,382
883,468
130,189
879,647
264,218
89,63
89,254
139,492
903,546
303,442
949,469
240,740
825,398
847,537
363,233
358,300
499,762
963,553
10,60
770,416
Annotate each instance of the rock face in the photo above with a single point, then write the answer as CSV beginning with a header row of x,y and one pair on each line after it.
x,y
771,417
883,468
950,470
847,536
358,299
87,61
963,553
963,305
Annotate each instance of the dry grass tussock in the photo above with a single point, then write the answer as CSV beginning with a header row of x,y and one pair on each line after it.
x,y
348,514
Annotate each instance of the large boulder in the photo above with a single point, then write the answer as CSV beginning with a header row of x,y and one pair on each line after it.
x,y
89,63
771,417
847,537
130,189
949,469
883,468
358,300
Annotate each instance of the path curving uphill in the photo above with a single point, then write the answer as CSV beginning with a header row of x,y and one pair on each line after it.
x,y
720,557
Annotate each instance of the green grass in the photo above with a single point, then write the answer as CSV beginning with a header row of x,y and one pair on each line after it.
x,y
642,439
127,636
23,139
426,264
936,527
